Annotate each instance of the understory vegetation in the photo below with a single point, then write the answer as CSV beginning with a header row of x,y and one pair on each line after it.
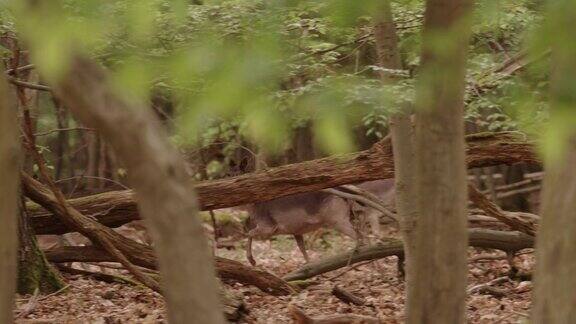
x,y
407,161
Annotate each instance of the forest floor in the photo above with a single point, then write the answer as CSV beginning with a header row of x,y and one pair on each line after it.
x,y
89,301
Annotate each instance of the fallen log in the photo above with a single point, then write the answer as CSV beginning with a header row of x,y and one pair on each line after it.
x,y
115,208
505,241
228,270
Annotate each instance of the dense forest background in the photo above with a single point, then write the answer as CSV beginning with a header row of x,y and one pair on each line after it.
x,y
292,78
175,112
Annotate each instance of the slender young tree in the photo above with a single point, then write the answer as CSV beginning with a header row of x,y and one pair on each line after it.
x,y
166,199
555,283
439,281
9,196
402,141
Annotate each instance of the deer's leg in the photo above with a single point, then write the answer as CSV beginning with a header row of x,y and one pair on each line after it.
x,y
374,220
261,230
357,217
249,252
302,246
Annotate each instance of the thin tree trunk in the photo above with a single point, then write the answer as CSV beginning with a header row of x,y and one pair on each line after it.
x,y
62,142
102,163
9,195
555,282
491,183
91,159
303,143
34,271
166,198
402,145
440,253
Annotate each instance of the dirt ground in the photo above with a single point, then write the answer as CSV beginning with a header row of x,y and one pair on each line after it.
x,y
86,300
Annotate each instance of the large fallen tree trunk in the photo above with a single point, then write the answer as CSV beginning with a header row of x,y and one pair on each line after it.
x,y
505,241
119,207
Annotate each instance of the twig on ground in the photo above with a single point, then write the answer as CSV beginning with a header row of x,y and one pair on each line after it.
x,y
59,291
347,297
488,286
520,314
30,305
488,257
350,268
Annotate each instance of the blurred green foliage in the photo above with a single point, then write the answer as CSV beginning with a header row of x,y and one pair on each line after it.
x,y
260,68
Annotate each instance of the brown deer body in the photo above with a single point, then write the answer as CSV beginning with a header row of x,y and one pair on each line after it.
x,y
303,213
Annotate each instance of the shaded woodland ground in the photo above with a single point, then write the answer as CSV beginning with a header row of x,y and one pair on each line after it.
x,y
133,135
493,298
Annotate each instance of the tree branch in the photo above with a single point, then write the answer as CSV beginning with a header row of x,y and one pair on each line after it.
x,y
115,208
505,241
492,210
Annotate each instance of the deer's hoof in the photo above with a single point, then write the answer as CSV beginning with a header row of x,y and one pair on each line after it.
x,y
252,261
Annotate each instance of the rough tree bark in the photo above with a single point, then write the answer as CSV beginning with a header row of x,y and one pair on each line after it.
x,y
62,141
402,144
165,197
34,271
440,253
555,282
115,208
9,196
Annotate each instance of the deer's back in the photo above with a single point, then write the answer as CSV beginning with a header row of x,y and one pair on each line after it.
x,y
383,189
297,214
306,212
